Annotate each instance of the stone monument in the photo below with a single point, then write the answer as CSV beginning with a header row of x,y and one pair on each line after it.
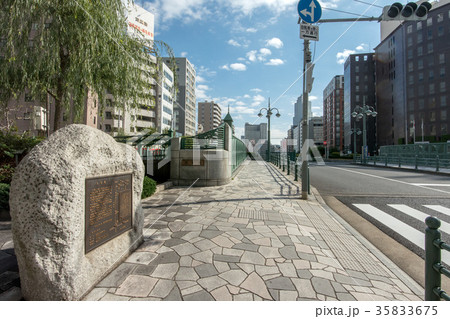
x,y
76,213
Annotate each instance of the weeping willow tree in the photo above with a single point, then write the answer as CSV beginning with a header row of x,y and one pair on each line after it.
x,y
66,47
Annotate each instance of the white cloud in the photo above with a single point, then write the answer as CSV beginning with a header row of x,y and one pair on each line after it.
x,y
201,92
252,55
187,10
275,42
257,100
265,52
275,62
251,30
247,7
233,43
184,54
312,97
246,96
256,90
241,59
234,67
200,79
342,56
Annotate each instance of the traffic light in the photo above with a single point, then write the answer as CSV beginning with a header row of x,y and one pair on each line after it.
x,y
309,76
410,12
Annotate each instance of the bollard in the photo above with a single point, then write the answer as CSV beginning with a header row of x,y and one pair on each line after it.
x,y
399,161
283,165
296,172
385,161
437,163
288,166
432,257
416,166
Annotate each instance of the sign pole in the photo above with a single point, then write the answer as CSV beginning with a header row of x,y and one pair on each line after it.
x,y
305,130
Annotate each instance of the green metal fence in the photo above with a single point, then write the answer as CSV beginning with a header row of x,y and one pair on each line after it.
x,y
214,139
238,152
437,162
430,150
433,265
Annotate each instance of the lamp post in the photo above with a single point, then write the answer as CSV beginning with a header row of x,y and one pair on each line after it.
x,y
269,113
361,112
355,131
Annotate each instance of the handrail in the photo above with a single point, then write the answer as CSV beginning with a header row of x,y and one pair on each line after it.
x,y
433,266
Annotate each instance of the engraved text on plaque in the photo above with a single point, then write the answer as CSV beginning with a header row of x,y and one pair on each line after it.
x,y
108,209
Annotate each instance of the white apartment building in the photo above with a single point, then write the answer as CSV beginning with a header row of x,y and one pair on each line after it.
x,y
164,104
185,105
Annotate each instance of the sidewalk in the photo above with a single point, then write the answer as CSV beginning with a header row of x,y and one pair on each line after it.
x,y
252,239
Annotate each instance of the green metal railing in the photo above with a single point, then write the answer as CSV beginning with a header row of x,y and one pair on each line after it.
x,y
430,150
214,139
415,161
239,153
433,265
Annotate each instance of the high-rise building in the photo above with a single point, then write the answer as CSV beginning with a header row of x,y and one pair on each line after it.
x,y
359,90
316,130
209,115
333,113
257,135
185,105
412,79
118,119
165,96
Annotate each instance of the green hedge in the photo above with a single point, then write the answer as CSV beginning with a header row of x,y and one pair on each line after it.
x,y
149,187
4,197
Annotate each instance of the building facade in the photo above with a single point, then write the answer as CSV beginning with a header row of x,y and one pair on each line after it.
x,y
209,115
316,130
412,80
359,90
257,135
185,104
333,113
165,98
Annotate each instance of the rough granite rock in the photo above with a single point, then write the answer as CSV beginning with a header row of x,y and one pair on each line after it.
x,y
48,208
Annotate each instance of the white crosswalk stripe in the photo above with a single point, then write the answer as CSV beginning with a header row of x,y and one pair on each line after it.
x,y
411,234
439,208
417,214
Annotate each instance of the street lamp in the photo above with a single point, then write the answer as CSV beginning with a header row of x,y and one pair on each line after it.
x,y
355,131
361,112
268,115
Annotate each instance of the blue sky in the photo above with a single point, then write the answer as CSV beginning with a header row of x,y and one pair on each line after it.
x,y
245,51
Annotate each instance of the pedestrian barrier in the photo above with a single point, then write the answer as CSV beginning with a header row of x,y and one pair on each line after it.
x,y
437,163
433,266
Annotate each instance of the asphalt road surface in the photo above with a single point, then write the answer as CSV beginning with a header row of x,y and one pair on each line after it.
x,y
395,201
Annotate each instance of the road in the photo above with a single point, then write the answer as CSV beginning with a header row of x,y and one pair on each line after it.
x,y
395,201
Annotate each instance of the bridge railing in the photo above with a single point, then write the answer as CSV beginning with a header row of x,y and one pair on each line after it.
x,y
433,263
416,161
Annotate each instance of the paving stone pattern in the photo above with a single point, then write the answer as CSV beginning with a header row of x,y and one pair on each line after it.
x,y
252,239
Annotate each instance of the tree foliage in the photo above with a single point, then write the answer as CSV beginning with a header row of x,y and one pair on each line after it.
x,y
65,47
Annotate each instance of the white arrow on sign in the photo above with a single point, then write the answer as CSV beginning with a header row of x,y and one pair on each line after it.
x,y
308,13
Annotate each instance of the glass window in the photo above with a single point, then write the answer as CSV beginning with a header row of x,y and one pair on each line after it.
x,y
410,66
431,88
440,17
430,21
430,34
419,51
411,79
441,58
430,47
442,87
420,64
442,72
421,104
419,37
421,77
443,115
409,29
440,31
410,42
443,100
419,25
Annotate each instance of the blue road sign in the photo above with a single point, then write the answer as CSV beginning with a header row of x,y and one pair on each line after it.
x,y
309,10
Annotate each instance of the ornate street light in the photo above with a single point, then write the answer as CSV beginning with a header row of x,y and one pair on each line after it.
x,y
361,112
355,131
269,113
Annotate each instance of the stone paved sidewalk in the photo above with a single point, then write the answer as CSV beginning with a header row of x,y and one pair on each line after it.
x,y
253,239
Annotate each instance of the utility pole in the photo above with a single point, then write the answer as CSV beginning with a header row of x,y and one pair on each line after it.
x,y
305,126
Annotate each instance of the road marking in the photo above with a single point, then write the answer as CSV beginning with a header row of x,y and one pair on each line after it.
x,y
413,235
439,208
388,179
432,185
417,214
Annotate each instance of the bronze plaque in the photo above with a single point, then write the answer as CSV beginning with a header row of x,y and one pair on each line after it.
x,y
109,207
189,162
